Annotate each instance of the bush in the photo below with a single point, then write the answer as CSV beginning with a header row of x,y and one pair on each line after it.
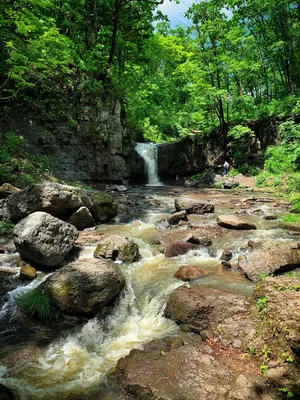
x,y
6,227
38,303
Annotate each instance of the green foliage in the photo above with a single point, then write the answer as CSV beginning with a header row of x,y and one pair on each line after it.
x,y
262,305
289,395
290,218
38,303
6,227
16,165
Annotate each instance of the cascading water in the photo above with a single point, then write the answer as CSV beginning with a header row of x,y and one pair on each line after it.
x,y
148,151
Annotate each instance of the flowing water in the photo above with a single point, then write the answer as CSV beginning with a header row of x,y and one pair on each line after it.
x,y
148,151
80,364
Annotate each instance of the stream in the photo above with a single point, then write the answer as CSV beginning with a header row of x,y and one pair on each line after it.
x,y
77,360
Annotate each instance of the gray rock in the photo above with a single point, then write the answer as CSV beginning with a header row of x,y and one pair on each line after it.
x,y
57,200
82,219
117,248
192,206
44,239
173,219
85,287
230,183
232,222
271,256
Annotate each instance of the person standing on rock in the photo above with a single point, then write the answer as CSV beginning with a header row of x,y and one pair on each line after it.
x,y
226,167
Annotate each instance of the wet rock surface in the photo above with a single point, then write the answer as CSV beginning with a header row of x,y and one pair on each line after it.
x,y
189,272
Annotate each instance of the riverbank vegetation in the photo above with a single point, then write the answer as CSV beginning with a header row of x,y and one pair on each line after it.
x,y
234,66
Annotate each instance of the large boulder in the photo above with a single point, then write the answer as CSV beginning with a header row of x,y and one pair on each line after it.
x,y
232,222
117,247
269,257
61,201
44,239
186,369
211,313
85,287
192,206
282,306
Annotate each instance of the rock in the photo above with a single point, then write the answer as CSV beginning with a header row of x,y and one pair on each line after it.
x,y
198,240
232,222
173,219
117,247
290,226
182,367
270,217
3,249
230,183
211,313
192,206
7,189
8,394
226,255
282,306
44,239
272,256
226,264
189,272
85,287
27,273
178,248
82,219
58,200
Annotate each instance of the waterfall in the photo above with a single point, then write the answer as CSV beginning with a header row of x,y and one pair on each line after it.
x,y
148,151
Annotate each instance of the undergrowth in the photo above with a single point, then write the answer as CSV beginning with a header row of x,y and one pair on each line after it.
x,y
39,304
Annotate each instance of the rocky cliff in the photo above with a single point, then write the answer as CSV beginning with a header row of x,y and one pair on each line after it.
x,y
84,138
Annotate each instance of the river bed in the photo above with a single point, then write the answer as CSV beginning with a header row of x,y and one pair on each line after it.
x,y
77,361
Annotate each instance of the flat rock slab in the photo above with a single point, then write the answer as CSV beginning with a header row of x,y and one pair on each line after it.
x,y
184,368
269,257
211,313
192,206
231,222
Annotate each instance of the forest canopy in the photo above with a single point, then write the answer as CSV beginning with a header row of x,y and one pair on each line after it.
x,y
236,61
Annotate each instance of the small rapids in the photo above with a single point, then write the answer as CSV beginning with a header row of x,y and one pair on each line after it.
x,y
81,364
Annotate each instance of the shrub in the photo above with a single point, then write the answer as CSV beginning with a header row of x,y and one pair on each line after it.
x,y
6,227
38,303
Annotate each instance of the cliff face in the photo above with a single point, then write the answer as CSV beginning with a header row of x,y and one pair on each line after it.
x,y
84,139
187,157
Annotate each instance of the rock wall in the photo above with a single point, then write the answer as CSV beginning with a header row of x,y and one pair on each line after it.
x,y
84,138
188,156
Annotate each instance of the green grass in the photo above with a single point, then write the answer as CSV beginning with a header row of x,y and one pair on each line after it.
x,y
39,304
291,218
